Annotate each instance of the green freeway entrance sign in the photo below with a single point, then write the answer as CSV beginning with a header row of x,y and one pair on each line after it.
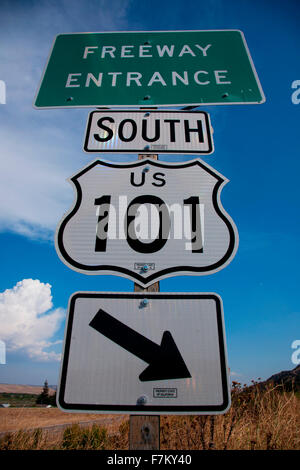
x,y
163,68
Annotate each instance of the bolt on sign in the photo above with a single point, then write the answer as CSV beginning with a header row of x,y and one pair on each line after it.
x,y
161,68
169,350
147,220
149,131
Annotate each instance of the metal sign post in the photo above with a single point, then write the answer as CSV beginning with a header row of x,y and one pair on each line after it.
x,y
144,431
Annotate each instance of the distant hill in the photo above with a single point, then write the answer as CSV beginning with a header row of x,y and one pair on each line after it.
x,y
32,389
289,379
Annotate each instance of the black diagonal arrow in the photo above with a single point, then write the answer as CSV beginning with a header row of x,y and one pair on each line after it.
x,y
165,361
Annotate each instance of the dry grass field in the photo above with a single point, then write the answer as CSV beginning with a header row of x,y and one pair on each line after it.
x,y
34,389
15,419
259,419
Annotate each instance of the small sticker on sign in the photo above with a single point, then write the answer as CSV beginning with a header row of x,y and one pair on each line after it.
x,y
158,147
165,392
141,266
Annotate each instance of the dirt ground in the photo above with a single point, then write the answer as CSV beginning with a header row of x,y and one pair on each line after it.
x,y
8,388
12,419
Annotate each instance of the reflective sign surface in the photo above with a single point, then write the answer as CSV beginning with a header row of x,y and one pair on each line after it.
x,y
149,131
147,220
160,68
145,353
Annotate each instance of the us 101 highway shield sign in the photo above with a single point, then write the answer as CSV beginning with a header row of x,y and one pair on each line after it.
x,y
147,220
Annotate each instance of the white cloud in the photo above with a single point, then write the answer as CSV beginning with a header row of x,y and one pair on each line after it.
x,y
34,193
40,149
235,374
27,322
27,36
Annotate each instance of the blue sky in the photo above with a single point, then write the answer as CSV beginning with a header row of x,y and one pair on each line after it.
x,y
256,148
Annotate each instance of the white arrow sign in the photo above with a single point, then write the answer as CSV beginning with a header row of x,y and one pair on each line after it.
x,y
125,355
147,220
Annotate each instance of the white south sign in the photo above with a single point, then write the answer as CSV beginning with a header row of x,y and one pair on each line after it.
x,y
149,132
147,220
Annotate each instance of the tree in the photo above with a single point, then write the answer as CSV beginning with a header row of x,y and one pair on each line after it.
x,y
44,397
52,399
